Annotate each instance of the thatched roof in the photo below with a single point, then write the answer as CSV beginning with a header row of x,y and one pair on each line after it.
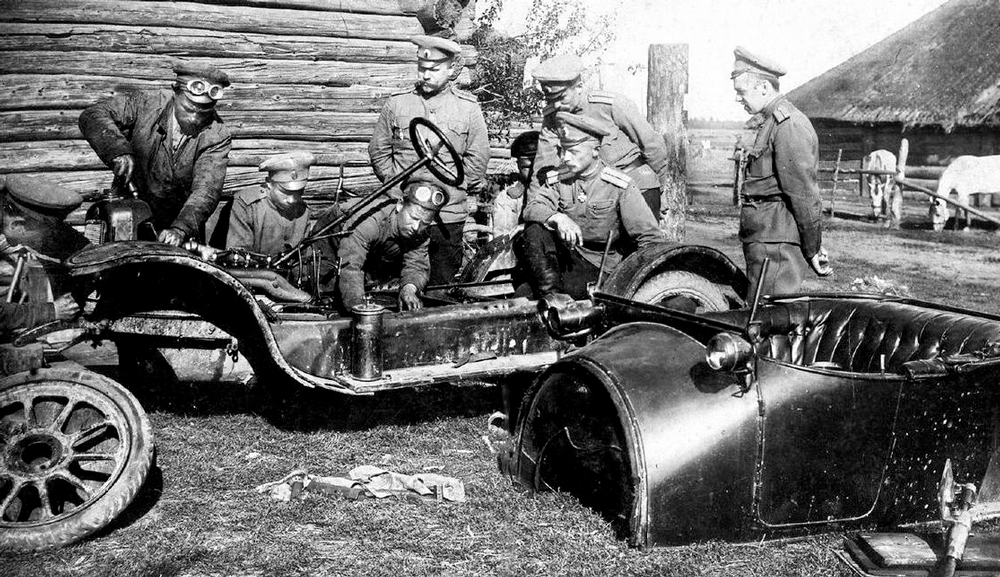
x,y
943,69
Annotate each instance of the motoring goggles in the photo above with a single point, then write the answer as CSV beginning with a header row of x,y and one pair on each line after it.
x,y
199,87
427,195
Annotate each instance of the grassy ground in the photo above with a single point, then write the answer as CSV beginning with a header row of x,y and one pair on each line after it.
x,y
199,514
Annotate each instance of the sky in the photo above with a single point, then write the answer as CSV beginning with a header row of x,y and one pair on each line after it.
x,y
808,37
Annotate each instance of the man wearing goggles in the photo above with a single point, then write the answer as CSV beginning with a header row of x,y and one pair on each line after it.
x,y
633,146
170,144
272,217
569,218
391,243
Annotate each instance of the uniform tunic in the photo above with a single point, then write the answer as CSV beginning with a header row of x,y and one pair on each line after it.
x,y
376,247
458,115
781,201
604,202
633,146
256,225
182,186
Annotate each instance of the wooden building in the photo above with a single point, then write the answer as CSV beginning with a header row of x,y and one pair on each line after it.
x,y
936,82
307,74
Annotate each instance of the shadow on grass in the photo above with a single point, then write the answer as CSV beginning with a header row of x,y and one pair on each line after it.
x,y
291,406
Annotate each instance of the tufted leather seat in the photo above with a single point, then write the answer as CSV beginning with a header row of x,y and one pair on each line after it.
x,y
855,334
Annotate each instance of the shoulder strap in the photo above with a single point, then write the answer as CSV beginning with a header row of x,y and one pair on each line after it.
x,y
615,177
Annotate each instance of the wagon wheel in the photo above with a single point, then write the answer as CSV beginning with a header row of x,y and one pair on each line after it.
x,y
431,150
661,288
75,448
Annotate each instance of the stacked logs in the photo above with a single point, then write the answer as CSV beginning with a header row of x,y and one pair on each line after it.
x,y
307,74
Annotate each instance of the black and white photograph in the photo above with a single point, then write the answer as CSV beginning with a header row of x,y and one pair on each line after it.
x,y
499,288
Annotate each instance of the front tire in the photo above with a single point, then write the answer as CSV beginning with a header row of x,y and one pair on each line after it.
x,y
75,448
706,295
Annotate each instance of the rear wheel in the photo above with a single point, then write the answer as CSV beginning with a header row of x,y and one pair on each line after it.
x,y
75,448
668,288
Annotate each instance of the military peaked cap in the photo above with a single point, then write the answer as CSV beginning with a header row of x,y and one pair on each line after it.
x,y
290,170
40,197
435,48
526,144
188,69
749,62
574,128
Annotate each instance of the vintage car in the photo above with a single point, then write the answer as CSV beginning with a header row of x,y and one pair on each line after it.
x,y
804,413
77,446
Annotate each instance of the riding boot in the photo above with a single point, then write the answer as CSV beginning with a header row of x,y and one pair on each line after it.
x,y
536,249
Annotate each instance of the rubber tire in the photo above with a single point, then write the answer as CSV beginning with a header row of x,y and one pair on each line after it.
x,y
682,283
116,493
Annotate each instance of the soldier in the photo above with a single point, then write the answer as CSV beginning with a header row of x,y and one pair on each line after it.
x,y
458,114
569,220
272,217
391,242
33,212
781,216
508,204
170,144
633,146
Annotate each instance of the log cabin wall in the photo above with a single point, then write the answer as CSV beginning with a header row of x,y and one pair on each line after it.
x,y
929,145
307,74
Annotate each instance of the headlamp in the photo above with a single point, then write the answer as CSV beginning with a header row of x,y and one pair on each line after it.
x,y
728,352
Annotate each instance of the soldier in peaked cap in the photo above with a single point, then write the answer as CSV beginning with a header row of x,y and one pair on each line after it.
x,y
170,144
459,116
391,243
780,217
571,215
32,212
633,146
273,217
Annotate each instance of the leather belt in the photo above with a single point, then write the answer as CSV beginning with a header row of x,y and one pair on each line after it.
x,y
760,199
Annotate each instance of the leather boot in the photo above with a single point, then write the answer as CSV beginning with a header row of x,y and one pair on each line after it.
x,y
543,269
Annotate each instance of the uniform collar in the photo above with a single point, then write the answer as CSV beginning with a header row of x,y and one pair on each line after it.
x,y
772,105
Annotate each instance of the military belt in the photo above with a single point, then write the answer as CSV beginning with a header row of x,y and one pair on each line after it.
x,y
745,199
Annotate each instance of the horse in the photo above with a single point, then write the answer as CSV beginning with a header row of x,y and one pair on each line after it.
x,y
965,175
884,206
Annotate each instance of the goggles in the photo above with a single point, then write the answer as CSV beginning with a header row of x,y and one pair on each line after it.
x,y
425,194
199,87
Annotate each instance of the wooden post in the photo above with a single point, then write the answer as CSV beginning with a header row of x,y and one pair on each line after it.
x,y
904,152
667,85
833,191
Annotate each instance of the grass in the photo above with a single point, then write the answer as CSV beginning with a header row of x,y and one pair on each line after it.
x,y
199,513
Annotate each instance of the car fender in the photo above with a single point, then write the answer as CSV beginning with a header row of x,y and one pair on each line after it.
x,y
135,277
657,442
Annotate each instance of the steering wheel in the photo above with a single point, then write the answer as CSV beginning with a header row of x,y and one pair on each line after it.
x,y
432,152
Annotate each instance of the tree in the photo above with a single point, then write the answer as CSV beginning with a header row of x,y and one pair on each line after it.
x,y
551,27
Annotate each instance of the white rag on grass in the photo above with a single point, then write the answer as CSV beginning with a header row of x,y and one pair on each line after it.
x,y
368,481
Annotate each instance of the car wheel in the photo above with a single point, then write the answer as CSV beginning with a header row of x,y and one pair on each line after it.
x,y
75,448
668,288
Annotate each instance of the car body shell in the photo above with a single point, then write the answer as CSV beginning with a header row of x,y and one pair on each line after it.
x,y
670,451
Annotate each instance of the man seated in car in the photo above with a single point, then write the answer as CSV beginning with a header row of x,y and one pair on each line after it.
x,y
569,220
33,213
273,217
390,242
